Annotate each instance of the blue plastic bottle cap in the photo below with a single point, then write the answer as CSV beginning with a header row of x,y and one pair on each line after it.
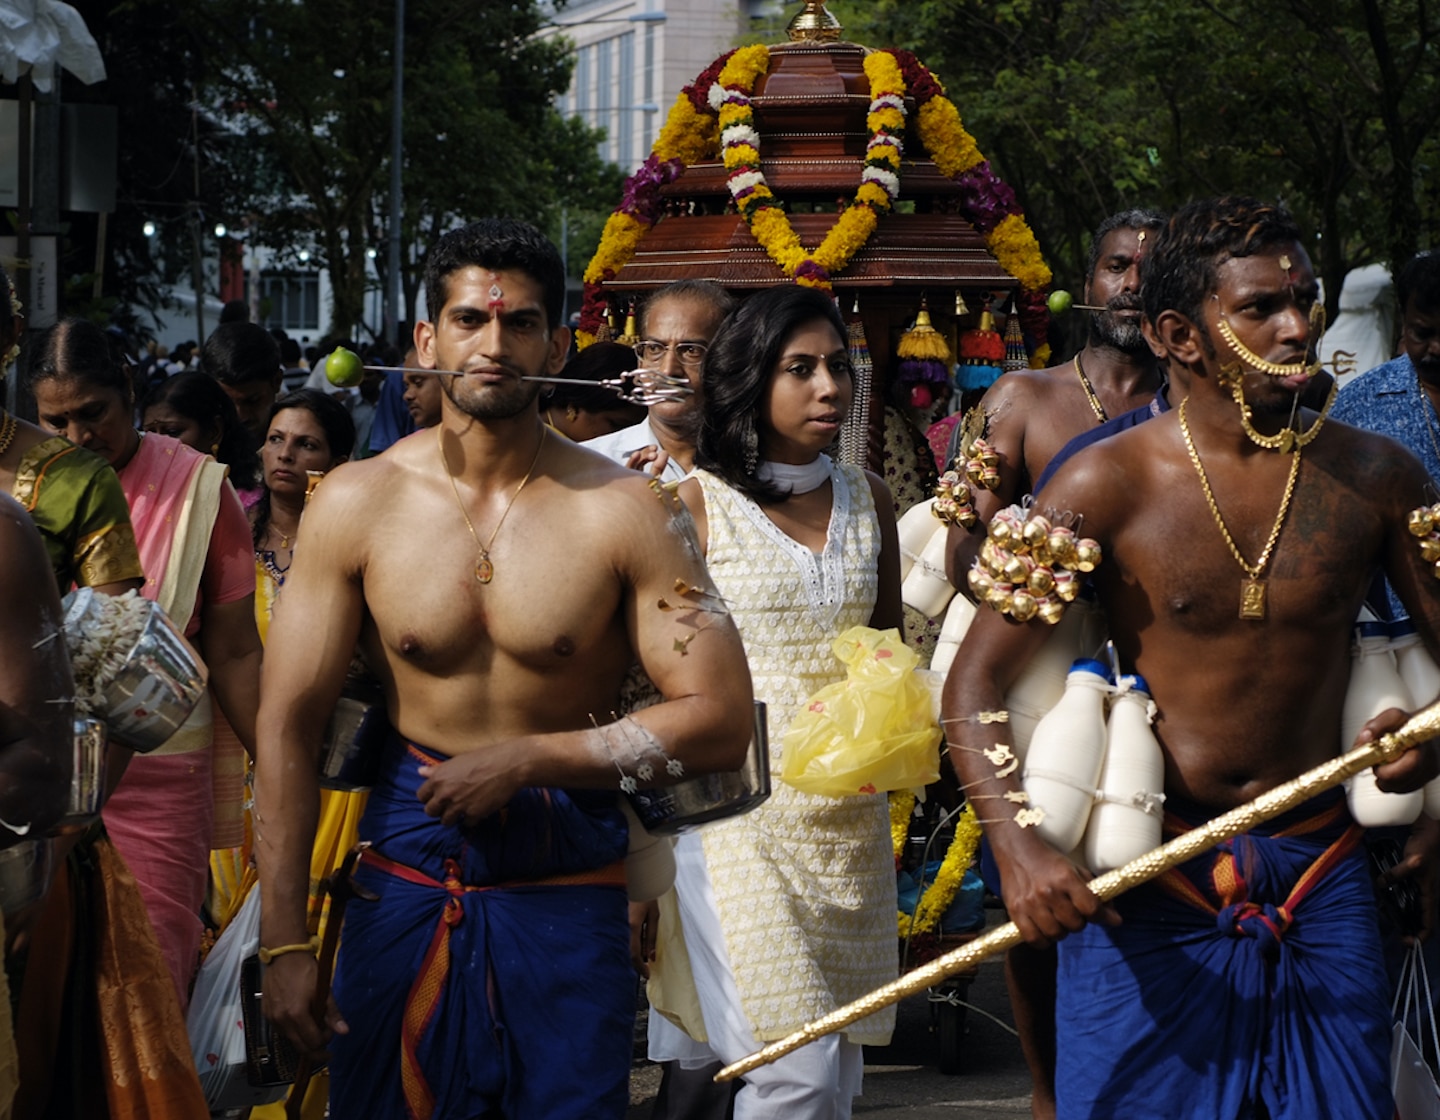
x,y
1372,629
1137,683
1090,665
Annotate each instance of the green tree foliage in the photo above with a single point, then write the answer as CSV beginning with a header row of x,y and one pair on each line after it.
x,y
1090,107
305,89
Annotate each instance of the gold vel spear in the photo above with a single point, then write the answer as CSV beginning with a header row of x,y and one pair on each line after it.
x,y
1422,725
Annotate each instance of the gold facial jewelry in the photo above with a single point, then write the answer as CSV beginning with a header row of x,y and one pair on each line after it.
x,y
484,567
8,427
1252,588
1287,439
1095,406
1247,358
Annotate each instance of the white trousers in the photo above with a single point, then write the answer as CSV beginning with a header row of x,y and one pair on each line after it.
x,y
816,1082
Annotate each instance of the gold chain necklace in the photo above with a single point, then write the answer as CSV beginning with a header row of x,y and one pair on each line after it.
x,y
8,427
1252,588
484,567
1095,405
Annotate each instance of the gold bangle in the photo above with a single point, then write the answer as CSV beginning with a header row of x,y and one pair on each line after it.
x,y
312,947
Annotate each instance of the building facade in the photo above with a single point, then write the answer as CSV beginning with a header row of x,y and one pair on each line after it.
x,y
632,57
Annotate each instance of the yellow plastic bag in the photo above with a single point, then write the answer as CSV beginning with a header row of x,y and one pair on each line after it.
x,y
873,731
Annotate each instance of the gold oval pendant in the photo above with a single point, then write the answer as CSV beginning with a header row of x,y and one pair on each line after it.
x,y
484,570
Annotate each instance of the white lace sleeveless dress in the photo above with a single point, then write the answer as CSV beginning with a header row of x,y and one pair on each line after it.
x,y
805,885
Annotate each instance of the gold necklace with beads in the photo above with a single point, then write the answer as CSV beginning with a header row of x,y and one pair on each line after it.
x,y
484,566
1252,587
8,427
1095,406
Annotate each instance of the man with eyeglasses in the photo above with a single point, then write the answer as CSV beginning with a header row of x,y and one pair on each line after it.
x,y
1399,399
676,326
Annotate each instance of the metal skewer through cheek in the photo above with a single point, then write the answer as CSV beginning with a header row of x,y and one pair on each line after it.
x,y
636,386
1419,727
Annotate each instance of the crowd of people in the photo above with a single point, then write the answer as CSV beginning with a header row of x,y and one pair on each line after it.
x,y
565,597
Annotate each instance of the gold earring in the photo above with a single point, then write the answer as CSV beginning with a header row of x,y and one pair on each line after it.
x,y
571,412
215,448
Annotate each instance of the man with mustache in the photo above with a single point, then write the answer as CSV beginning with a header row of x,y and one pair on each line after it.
x,y
1031,414
1399,398
500,584
1236,537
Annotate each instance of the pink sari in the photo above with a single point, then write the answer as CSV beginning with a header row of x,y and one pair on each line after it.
x,y
162,815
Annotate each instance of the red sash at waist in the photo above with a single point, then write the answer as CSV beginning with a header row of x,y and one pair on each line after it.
x,y
424,997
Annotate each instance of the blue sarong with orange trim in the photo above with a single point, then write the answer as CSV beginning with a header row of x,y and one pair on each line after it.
x,y
493,975
1249,975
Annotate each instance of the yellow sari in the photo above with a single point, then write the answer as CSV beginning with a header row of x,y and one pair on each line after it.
x,y
233,874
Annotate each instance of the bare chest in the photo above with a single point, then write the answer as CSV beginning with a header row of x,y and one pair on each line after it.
x,y
1206,566
551,599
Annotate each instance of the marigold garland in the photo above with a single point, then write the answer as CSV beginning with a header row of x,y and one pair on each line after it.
x,y
938,895
902,806
769,224
712,118
687,135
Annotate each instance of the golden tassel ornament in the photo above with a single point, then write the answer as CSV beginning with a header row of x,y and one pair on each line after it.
x,y
631,335
923,342
1422,725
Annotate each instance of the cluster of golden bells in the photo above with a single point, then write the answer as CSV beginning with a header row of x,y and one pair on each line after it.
x,y
1424,522
954,498
1028,567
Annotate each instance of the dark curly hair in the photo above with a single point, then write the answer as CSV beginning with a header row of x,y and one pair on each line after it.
x,y
199,397
498,243
240,352
738,367
1180,271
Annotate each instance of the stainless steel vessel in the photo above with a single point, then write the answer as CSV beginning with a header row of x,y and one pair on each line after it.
x,y
350,751
710,797
87,779
160,683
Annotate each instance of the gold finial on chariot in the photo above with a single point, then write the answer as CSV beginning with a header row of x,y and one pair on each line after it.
x,y
814,24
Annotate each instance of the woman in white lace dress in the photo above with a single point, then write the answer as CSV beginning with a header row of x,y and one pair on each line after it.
x,y
788,912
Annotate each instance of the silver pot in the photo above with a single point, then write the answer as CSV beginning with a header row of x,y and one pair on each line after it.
x,y
25,871
160,684
87,779
710,797
351,750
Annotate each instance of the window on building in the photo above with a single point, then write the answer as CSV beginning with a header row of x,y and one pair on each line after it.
x,y
605,98
626,126
293,299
